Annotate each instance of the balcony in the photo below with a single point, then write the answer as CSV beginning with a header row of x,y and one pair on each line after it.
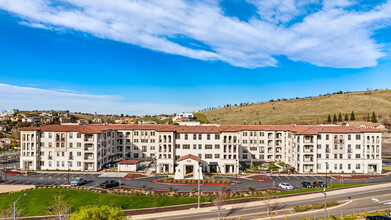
x,y
70,157
311,159
327,150
308,150
50,157
350,151
88,158
338,141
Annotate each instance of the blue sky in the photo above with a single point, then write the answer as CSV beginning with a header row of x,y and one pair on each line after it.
x,y
151,57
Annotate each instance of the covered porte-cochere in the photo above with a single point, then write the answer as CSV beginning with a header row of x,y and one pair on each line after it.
x,y
188,167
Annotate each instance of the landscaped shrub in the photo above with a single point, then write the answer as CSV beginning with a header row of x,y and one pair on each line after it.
x,y
302,208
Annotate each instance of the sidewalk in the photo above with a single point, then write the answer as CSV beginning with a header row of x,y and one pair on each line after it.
x,y
257,203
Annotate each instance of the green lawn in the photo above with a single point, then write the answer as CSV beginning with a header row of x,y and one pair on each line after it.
x,y
36,201
387,168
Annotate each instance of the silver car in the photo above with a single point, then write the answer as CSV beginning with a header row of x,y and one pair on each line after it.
x,y
285,186
78,181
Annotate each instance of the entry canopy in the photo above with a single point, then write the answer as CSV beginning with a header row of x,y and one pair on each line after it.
x,y
213,164
189,156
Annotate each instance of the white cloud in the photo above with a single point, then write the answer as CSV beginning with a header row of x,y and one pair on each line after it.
x,y
330,36
30,98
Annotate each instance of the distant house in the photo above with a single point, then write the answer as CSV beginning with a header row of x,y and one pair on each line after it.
x,y
83,121
3,127
365,124
24,124
46,114
189,123
30,119
15,118
65,120
146,122
5,142
64,114
97,120
46,119
188,115
9,113
163,117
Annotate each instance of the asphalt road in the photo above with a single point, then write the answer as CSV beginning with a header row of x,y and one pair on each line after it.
x,y
373,200
93,180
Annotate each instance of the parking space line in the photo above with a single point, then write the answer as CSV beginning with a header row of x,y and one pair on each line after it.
x,y
288,177
305,177
296,177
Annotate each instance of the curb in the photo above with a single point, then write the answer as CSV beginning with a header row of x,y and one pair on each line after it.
x,y
360,178
262,180
196,184
11,174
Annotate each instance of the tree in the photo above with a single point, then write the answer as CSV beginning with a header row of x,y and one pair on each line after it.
x,y
352,117
219,200
104,212
122,115
346,117
271,203
260,122
335,118
340,117
59,207
368,118
329,119
374,119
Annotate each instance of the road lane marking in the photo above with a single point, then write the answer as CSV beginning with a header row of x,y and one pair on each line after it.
x,y
375,200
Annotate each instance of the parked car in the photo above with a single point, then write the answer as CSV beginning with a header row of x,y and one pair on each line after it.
x,y
378,217
285,186
320,184
78,181
307,185
109,184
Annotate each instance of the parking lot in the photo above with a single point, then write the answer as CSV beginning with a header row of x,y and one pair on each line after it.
x,y
295,181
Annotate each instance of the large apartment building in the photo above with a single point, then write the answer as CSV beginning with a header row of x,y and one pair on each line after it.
x,y
309,149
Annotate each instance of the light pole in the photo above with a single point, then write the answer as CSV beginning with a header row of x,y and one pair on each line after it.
x,y
199,179
68,173
327,164
325,203
236,170
16,202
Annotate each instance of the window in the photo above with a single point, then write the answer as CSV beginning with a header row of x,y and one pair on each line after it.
x,y
327,137
217,136
208,156
217,146
349,137
208,147
58,154
244,156
42,135
135,132
200,146
349,156
319,166
319,146
244,141
78,135
253,148
152,133
136,155
357,166
319,156
217,156
78,163
42,144
340,166
62,163
50,135
244,133
335,156
358,156
340,156
152,147
349,166
186,146
50,163
199,136
335,166
70,135
58,163
194,137
186,136
144,148
194,146
335,147
251,133
200,155
63,154
358,146
358,137
70,144
78,154
50,144
177,146
78,144
262,134
208,137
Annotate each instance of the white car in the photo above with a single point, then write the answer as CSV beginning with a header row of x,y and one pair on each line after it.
x,y
78,181
285,186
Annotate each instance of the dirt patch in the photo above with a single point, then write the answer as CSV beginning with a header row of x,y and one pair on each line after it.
x,y
14,188
260,177
134,175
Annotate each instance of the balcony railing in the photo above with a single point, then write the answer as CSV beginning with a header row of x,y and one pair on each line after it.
x,y
70,157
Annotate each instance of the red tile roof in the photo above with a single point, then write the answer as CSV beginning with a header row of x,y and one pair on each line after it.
x,y
298,129
129,162
189,156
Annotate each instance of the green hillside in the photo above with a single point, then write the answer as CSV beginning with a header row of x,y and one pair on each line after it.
x,y
311,110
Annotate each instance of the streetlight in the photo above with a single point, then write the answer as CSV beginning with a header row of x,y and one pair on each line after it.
x,y
199,179
16,202
325,203
327,165
68,172
236,170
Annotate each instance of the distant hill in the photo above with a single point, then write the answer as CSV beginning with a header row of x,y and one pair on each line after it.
x,y
311,110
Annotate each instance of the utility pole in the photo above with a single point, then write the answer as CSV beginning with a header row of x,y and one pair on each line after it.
x,y
325,204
